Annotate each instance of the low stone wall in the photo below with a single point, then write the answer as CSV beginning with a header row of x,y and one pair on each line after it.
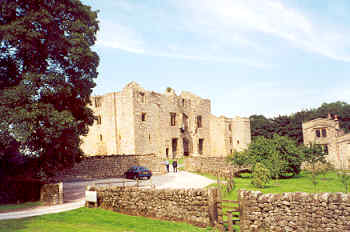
x,y
294,212
19,189
194,206
210,165
98,167
52,194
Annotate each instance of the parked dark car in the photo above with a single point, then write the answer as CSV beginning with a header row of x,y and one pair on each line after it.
x,y
138,172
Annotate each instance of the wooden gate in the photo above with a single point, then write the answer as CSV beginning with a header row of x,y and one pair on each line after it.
x,y
228,212
228,215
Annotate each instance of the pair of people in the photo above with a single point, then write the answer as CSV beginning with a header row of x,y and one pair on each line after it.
x,y
174,165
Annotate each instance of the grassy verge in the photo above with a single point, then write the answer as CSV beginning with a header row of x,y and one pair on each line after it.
x,y
93,220
13,207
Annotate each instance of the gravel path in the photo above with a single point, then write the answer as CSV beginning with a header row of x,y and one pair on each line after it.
x,y
74,192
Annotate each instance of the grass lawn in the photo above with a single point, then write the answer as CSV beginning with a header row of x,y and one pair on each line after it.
x,y
301,183
10,207
93,220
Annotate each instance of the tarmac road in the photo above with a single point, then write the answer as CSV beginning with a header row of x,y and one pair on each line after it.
x,y
74,192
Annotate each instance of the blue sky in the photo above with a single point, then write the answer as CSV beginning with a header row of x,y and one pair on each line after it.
x,y
248,57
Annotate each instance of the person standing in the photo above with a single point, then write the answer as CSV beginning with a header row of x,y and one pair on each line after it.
x,y
167,165
175,165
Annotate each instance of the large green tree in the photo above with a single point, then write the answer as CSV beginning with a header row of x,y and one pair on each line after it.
x,y
47,71
280,155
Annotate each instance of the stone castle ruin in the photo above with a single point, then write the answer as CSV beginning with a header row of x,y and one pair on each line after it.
x,y
327,133
137,121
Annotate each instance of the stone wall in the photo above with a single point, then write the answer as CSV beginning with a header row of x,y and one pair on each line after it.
x,y
97,167
294,212
210,165
137,121
194,206
52,194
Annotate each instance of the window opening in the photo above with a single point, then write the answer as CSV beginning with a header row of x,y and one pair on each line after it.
x,y
172,119
142,97
199,121
200,146
99,120
318,134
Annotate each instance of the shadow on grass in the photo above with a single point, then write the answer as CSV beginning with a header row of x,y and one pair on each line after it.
x,y
14,225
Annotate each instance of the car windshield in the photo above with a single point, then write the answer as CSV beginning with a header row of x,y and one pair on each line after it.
x,y
136,168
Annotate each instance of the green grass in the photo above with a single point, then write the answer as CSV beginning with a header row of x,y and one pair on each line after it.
x,y
301,183
10,207
93,220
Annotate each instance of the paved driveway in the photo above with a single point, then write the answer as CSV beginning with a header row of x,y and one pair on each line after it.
x,y
74,192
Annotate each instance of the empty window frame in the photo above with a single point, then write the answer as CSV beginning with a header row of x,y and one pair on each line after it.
x,y
142,97
230,127
98,101
200,146
101,138
143,117
199,121
172,119
324,132
318,133
325,148
99,120
230,140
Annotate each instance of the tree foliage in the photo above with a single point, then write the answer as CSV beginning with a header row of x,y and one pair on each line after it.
x,y
261,175
280,155
291,125
47,72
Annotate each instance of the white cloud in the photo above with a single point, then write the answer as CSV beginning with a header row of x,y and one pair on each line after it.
x,y
114,35
238,18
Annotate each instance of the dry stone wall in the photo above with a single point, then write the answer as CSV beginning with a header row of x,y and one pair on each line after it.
x,y
52,194
210,165
98,167
294,212
194,206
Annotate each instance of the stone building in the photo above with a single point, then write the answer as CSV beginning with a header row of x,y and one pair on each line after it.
x,y
137,121
327,133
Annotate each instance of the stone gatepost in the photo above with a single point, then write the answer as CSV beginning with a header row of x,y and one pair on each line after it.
x,y
52,194
212,206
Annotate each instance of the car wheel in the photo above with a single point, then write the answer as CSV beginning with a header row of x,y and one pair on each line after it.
x,y
148,177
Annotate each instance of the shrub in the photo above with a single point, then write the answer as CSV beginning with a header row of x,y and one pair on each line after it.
x,y
344,179
261,175
239,159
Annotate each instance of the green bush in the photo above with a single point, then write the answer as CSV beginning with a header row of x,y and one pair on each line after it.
x,y
261,175
344,178
239,159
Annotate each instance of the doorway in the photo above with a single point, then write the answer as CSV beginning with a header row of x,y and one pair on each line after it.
x,y
174,147
186,147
